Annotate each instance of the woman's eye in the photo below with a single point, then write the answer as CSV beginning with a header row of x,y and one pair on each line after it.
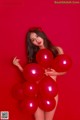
x,y
33,40
36,35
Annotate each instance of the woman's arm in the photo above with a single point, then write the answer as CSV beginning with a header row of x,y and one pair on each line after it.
x,y
52,72
60,50
16,63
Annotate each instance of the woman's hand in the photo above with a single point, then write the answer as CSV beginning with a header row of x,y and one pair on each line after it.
x,y
16,63
52,72
49,72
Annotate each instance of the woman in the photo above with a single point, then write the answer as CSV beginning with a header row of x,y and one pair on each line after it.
x,y
36,39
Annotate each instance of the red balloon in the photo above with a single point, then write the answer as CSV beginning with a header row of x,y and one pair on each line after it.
x,y
48,87
31,89
29,105
62,63
33,72
44,57
18,91
47,104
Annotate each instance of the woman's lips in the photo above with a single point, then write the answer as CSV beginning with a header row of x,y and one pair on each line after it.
x,y
39,42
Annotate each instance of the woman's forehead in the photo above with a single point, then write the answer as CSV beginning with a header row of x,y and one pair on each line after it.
x,y
33,34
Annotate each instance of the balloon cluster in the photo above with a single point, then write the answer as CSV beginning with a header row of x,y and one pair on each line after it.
x,y
39,89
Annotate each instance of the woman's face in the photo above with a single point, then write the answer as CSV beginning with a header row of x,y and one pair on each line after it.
x,y
36,40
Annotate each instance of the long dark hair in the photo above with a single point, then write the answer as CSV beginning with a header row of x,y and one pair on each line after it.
x,y
31,49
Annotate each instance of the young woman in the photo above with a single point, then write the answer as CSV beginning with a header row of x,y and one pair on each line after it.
x,y
36,39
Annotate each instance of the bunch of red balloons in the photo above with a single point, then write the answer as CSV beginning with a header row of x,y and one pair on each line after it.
x,y
38,85
61,63
39,89
47,91
26,94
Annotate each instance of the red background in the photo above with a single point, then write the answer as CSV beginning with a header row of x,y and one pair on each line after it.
x,y
61,23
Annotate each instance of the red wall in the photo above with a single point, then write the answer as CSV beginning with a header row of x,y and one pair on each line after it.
x,y
61,23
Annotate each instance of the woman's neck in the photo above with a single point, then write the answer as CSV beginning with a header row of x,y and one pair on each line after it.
x,y
42,47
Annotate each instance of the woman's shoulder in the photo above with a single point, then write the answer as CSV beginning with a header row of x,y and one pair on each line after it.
x,y
60,50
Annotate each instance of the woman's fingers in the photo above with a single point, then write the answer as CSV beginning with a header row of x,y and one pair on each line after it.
x,y
49,72
16,61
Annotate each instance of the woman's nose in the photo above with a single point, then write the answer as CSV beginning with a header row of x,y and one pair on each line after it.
x,y
37,40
